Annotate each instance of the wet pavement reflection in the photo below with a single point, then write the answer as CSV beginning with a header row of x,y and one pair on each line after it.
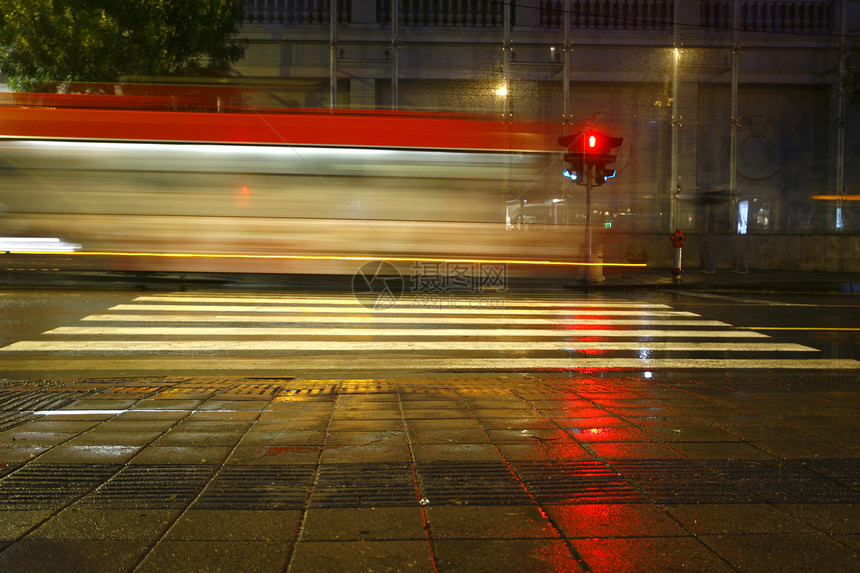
x,y
603,471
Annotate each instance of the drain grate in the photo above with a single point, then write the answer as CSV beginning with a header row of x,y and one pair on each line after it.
x,y
365,387
258,487
185,391
470,483
576,482
17,406
43,486
253,390
133,391
364,485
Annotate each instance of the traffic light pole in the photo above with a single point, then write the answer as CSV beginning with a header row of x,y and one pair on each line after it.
x,y
588,184
589,154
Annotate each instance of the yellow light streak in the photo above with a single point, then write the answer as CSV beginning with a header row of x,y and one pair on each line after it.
x,y
837,197
357,258
821,328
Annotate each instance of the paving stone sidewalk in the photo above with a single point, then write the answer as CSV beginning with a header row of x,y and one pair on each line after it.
x,y
556,472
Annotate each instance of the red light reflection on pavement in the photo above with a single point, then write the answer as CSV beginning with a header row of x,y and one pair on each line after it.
x,y
595,321
592,351
635,555
604,421
593,326
604,520
631,537
595,370
563,451
554,556
583,370
588,411
544,555
612,434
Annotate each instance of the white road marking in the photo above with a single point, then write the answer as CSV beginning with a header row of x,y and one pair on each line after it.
x,y
404,302
346,329
388,319
464,310
734,300
401,364
417,332
387,346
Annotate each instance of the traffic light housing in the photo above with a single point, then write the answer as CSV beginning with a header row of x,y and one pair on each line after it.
x,y
576,169
590,148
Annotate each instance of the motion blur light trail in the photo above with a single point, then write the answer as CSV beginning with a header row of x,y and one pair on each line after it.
x,y
333,258
36,245
297,192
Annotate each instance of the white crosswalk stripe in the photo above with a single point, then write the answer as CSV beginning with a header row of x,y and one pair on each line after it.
x,y
376,331
340,333
305,345
410,302
359,309
384,319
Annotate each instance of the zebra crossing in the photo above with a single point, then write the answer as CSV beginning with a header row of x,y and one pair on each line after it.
x,y
340,333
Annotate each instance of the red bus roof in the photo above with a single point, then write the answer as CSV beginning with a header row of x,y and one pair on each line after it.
x,y
144,118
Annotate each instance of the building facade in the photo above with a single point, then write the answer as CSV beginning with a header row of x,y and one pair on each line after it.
x,y
736,114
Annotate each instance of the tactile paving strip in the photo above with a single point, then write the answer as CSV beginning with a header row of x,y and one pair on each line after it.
x,y
470,483
364,485
576,482
110,486
784,482
258,487
150,487
843,470
683,481
50,486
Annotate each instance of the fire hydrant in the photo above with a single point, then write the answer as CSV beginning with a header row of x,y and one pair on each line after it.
x,y
678,240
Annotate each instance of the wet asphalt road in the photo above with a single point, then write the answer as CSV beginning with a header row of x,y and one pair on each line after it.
x,y
261,431
77,333
829,322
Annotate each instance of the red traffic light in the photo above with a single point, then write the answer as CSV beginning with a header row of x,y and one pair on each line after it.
x,y
599,143
590,142
590,148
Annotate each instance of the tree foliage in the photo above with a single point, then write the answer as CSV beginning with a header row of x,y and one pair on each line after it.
x,y
47,41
